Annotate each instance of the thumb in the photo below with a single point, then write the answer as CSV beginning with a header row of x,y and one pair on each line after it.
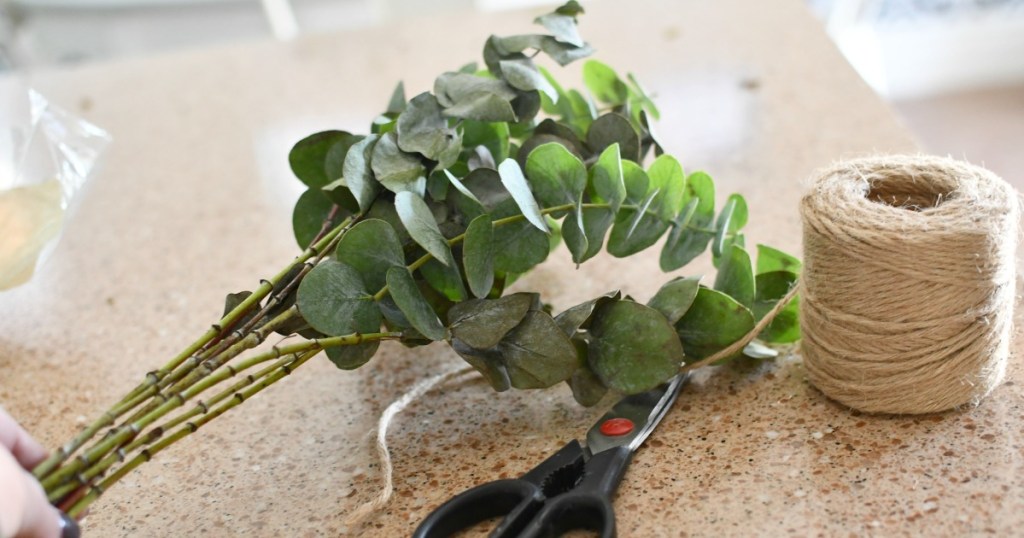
x,y
24,510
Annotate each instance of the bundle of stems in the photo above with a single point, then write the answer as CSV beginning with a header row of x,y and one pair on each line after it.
x,y
155,414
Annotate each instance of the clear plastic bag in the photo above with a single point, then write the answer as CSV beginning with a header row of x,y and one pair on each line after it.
x,y
46,156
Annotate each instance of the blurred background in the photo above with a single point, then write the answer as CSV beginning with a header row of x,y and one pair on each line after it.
x,y
952,69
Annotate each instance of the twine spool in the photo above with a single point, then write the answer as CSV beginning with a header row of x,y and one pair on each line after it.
x,y
909,283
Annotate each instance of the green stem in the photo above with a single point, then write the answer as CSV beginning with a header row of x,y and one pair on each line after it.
x,y
154,378
85,477
127,433
95,491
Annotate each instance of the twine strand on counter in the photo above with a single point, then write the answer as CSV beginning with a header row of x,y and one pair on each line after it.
x,y
909,283
382,497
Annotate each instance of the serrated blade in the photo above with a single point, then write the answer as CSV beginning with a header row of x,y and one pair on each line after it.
x,y
644,410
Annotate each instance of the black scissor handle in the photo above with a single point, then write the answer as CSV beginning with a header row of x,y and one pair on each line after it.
x,y
516,497
589,504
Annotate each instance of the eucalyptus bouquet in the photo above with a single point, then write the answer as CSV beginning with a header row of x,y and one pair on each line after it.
x,y
413,232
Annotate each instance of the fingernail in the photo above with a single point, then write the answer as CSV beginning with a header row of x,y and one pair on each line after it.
x,y
69,527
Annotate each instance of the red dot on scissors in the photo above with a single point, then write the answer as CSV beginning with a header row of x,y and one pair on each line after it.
x,y
615,427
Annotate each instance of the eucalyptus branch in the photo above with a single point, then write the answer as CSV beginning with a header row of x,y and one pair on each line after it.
x,y
450,198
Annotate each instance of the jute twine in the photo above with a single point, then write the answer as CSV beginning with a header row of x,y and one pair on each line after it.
x,y
908,287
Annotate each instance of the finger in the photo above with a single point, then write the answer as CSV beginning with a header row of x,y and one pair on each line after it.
x,y
14,438
24,510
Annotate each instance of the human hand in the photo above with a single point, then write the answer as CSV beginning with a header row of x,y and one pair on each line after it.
x,y
24,510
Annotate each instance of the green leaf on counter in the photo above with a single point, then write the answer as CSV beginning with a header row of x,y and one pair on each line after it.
x,y
371,247
633,348
478,255
713,321
407,296
334,300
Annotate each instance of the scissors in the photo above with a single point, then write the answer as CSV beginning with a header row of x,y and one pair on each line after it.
x,y
572,489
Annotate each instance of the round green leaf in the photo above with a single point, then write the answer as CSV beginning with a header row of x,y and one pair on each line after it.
x,y
614,128
308,157
518,246
713,321
606,178
352,357
333,300
417,310
675,297
633,348
395,169
555,175
578,317
371,247
604,84
666,175
492,135
736,275
537,354
482,323
445,279
478,255
422,128
311,209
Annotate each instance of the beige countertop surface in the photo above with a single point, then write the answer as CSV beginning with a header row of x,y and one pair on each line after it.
x,y
193,201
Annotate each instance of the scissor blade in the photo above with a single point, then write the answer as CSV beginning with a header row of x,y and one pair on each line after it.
x,y
644,411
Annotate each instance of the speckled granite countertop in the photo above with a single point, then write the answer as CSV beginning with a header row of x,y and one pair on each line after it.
x,y
194,200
